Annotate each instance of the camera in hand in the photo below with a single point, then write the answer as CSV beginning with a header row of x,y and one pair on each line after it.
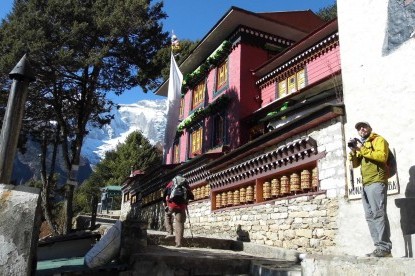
x,y
353,143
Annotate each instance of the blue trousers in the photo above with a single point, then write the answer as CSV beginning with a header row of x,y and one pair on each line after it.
x,y
374,200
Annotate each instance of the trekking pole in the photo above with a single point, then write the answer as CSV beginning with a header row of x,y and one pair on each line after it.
x,y
351,174
190,225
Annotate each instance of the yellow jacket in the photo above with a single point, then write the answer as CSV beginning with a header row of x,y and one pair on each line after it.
x,y
372,158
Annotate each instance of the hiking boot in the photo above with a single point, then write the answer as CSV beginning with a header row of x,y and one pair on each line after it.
x,y
382,253
371,254
379,253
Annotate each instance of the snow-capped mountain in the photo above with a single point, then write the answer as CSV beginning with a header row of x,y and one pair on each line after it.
x,y
147,116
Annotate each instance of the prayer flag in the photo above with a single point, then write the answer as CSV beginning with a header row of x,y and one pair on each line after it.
x,y
173,97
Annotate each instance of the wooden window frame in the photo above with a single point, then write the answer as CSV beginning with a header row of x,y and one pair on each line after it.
x,y
196,141
221,136
222,79
126,197
181,110
198,95
176,153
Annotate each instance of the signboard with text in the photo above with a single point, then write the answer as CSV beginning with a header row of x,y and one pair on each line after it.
x,y
356,192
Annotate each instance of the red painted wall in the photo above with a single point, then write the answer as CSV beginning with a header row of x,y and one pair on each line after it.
x,y
324,65
268,94
317,69
243,91
252,57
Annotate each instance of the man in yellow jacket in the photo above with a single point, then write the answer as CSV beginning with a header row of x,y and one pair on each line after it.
x,y
370,152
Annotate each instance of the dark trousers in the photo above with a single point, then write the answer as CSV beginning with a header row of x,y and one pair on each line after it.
x,y
179,217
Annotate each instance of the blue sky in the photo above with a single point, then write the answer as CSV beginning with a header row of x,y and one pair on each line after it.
x,y
192,19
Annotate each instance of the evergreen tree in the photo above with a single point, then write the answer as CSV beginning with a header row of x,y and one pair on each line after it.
x,y
328,13
163,56
80,51
136,153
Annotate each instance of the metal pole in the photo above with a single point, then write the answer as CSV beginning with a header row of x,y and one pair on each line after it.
x,y
351,174
94,206
21,75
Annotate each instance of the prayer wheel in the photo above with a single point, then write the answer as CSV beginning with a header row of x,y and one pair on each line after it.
x,y
207,191
249,194
314,179
295,183
197,193
242,195
224,200
266,190
275,188
202,192
285,185
230,198
254,193
218,201
305,180
236,197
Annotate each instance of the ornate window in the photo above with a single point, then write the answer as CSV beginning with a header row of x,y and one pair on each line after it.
x,y
218,130
198,94
127,197
221,75
176,153
181,111
295,82
196,141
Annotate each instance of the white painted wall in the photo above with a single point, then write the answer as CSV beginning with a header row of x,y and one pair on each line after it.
x,y
379,89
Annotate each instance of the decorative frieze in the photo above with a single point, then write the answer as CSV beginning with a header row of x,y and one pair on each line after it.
x,y
323,46
291,154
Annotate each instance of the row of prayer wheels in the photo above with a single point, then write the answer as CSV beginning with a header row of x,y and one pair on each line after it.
x,y
243,195
201,192
152,197
294,183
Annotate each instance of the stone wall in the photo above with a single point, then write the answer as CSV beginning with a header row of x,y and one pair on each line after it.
x,y
125,209
153,214
305,222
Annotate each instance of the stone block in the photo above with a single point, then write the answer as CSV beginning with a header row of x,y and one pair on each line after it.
x,y
20,214
304,233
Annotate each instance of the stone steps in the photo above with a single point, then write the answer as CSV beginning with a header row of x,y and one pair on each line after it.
x,y
209,256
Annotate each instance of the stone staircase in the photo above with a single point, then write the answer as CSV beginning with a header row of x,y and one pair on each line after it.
x,y
209,256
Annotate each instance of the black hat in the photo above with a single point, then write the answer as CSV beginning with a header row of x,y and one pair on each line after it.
x,y
359,124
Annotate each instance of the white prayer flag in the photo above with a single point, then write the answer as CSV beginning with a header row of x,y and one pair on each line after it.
x,y
173,97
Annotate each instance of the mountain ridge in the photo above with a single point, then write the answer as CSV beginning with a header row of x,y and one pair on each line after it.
x,y
147,116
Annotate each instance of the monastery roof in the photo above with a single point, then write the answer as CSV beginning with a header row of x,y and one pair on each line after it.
x,y
290,25
307,43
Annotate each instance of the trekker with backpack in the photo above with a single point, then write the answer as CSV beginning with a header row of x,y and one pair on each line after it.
x,y
371,153
175,199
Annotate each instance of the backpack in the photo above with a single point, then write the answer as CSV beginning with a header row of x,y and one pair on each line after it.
x,y
391,164
178,191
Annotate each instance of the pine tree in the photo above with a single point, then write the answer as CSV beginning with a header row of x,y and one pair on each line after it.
x,y
136,153
80,51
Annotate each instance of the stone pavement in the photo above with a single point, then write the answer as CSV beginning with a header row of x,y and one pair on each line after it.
x,y
208,256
